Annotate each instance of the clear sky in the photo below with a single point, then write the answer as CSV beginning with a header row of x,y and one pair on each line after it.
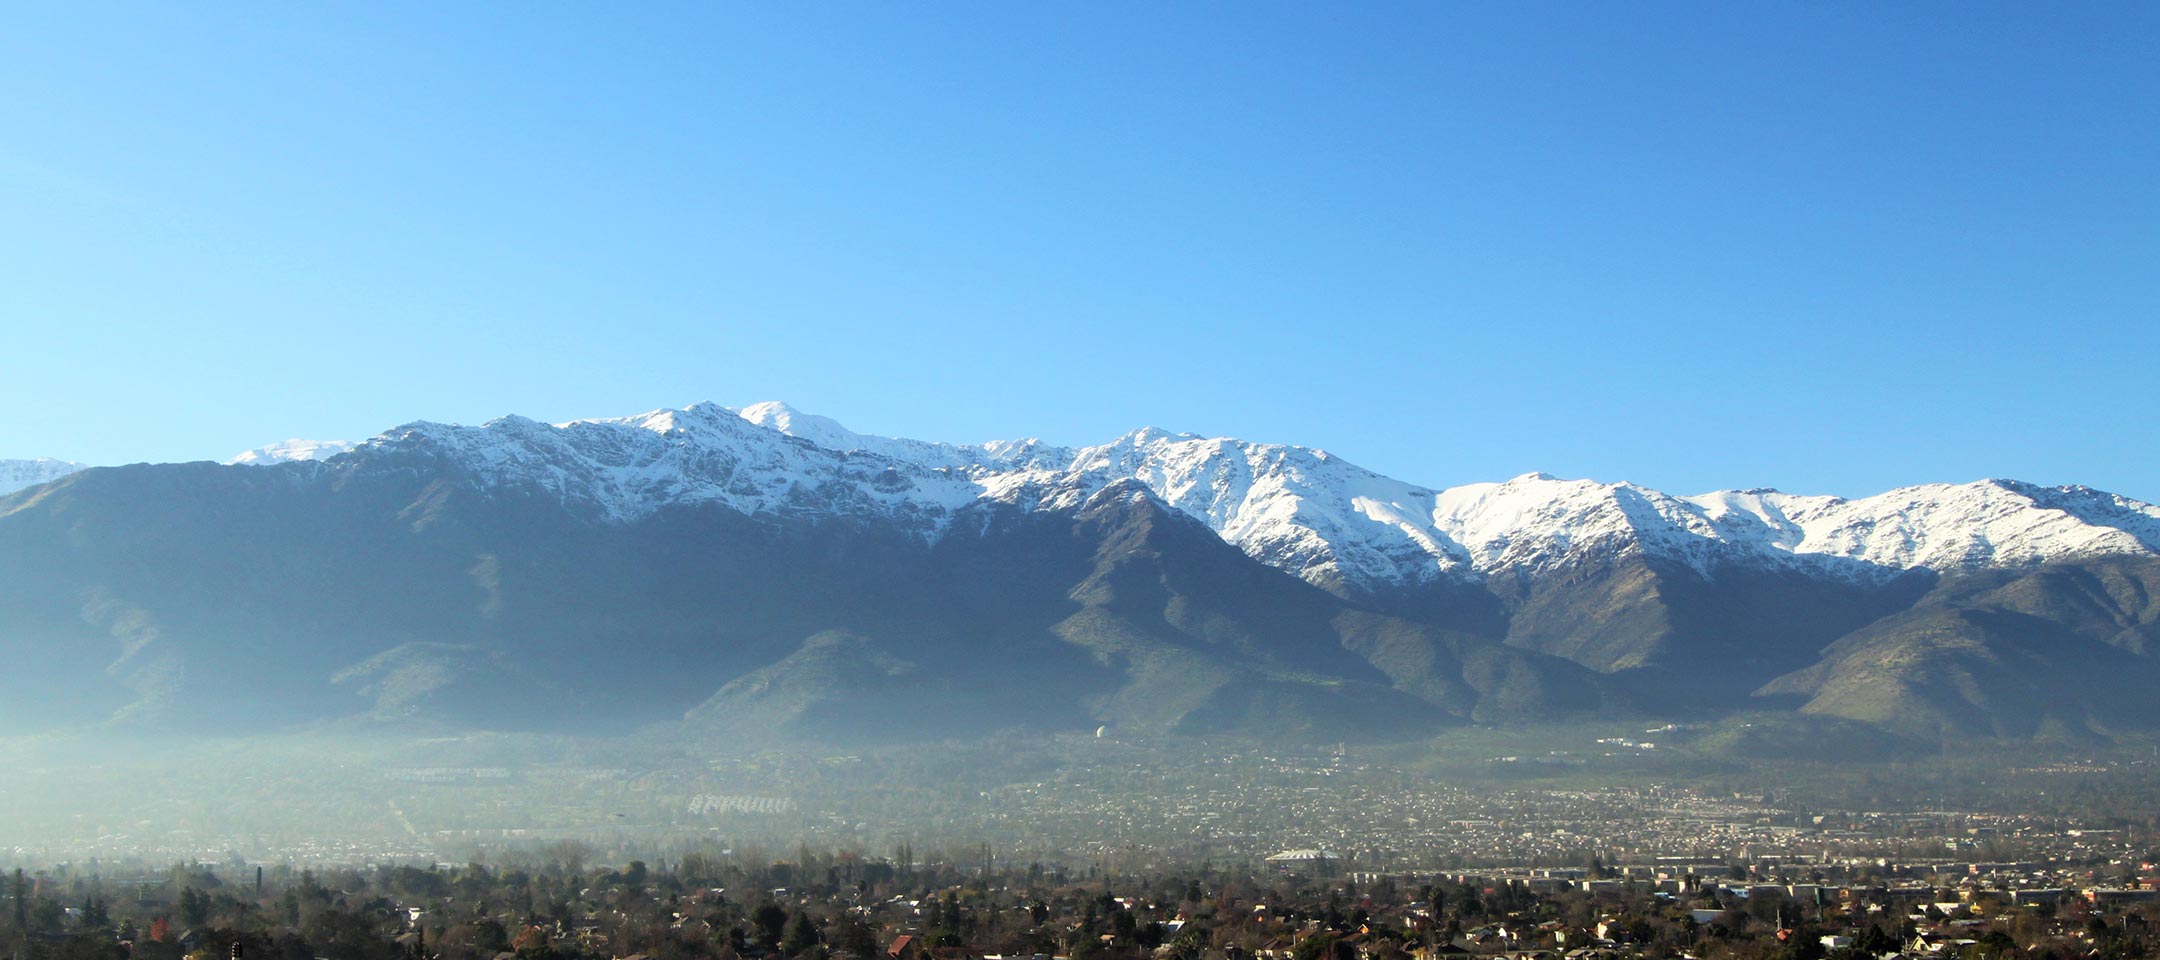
x,y
1826,247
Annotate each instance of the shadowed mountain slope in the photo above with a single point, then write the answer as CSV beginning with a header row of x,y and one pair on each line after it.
x,y
773,575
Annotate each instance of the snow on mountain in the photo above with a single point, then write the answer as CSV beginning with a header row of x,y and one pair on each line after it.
x,y
971,458
1302,510
288,451
1536,522
1321,517
1297,509
1943,526
624,468
18,474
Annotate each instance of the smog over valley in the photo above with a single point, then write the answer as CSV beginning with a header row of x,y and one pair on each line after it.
x,y
1116,482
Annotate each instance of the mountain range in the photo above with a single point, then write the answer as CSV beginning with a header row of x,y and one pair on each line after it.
x,y
767,573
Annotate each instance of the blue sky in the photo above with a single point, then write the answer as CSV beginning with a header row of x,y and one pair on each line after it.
x,y
1826,247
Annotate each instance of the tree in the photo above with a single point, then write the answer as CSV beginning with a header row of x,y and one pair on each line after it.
x,y
801,933
1150,935
194,907
530,943
852,935
47,916
1805,944
1319,946
476,940
1123,928
87,947
768,921
1191,941
95,916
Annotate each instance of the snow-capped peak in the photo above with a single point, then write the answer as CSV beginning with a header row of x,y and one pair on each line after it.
x,y
823,431
1300,509
19,474
286,451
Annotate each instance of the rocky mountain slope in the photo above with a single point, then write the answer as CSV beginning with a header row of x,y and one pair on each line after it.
x,y
769,572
